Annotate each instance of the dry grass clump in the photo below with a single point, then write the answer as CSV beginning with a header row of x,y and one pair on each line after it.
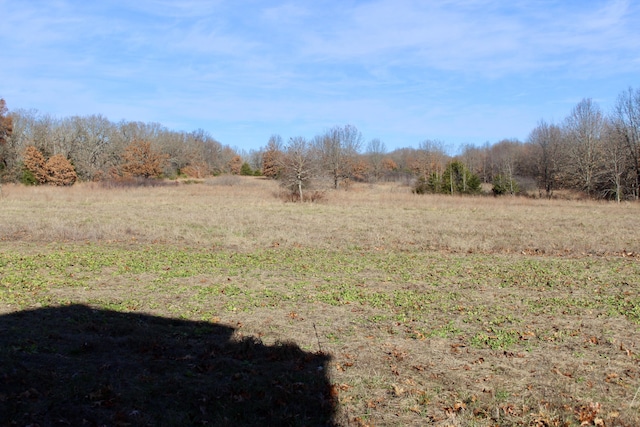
x,y
225,180
132,182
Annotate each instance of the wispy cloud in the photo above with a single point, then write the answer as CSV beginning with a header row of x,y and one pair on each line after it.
x,y
455,68
490,38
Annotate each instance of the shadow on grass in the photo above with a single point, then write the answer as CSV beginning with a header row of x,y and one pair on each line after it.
x,y
75,365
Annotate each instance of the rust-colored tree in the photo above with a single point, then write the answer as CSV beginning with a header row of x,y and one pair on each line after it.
x,y
235,165
359,168
60,171
35,166
272,158
195,170
388,165
141,160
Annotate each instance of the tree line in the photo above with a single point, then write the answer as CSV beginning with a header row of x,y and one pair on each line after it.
x,y
593,152
99,149
590,151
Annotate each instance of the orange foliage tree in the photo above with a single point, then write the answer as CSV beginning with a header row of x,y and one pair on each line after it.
x,y
60,171
35,163
272,158
388,165
55,171
140,160
235,165
195,170
360,169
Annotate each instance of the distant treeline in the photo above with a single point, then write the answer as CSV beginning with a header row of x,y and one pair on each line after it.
x,y
592,152
101,149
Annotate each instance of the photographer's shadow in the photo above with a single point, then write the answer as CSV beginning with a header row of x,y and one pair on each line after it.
x,y
75,365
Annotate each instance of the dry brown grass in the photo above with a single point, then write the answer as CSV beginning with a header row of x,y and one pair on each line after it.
x,y
245,215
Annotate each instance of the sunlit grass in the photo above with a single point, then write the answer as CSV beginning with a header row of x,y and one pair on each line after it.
x,y
467,311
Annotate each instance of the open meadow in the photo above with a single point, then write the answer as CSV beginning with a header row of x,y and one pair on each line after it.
x,y
217,303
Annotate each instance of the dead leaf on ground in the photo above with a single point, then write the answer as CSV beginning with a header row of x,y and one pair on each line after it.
x,y
587,414
397,390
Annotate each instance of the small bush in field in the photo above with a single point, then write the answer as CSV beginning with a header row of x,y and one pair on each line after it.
x,y
28,178
503,185
422,186
246,170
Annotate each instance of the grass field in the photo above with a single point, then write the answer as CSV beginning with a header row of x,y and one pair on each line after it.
x,y
218,304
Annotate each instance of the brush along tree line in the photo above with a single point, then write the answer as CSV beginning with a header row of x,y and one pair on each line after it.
x,y
591,152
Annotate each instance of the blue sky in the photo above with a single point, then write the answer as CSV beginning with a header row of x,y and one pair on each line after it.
x,y
460,71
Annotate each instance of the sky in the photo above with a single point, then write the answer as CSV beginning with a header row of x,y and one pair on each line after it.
x,y
457,71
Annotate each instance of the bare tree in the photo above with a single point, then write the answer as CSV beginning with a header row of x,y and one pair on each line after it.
x,y
376,151
254,159
431,159
298,165
204,150
16,143
626,117
475,158
545,140
94,144
615,161
583,128
505,155
338,147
